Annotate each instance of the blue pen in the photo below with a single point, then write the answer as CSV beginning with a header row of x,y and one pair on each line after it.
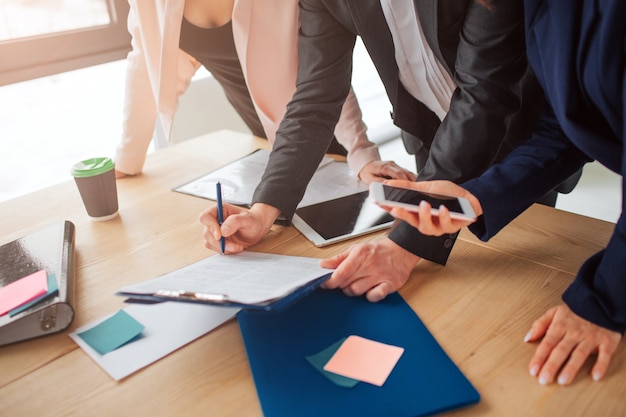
x,y
220,213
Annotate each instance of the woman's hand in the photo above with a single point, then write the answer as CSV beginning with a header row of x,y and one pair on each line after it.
x,y
423,219
383,170
567,341
241,227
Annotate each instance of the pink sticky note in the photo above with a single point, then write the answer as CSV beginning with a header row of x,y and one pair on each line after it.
x,y
365,360
23,290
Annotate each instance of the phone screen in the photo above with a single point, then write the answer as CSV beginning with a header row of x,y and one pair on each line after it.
x,y
403,195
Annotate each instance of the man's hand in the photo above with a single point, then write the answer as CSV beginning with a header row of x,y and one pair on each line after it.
x,y
375,268
241,227
568,340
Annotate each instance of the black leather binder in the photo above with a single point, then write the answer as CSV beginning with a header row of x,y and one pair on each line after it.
x,y
50,248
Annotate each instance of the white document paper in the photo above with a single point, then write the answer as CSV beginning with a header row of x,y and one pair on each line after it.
x,y
247,277
168,326
240,178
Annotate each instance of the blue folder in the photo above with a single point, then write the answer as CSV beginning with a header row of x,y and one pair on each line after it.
x,y
425,381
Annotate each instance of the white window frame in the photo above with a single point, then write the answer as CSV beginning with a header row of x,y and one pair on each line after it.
x,y
38,56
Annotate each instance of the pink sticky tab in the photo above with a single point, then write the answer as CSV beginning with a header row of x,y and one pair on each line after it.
x,y
23,290
365,360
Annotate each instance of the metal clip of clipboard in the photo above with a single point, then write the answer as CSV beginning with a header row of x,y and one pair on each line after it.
x,y
192,296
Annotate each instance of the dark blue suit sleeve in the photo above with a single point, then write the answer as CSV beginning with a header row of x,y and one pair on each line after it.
x,y
484,120
529,172
505,190
599,292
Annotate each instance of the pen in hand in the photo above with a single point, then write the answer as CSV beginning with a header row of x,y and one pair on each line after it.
x,y
220,213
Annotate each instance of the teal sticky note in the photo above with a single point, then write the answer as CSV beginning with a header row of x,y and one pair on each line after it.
x,y
53,289
112,333
320,359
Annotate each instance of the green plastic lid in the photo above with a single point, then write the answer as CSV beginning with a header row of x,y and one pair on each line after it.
x,y
92,167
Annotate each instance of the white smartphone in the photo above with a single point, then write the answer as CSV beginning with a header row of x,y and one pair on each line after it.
x,y
406,198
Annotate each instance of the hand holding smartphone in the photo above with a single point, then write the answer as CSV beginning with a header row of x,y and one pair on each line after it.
x,y
409,199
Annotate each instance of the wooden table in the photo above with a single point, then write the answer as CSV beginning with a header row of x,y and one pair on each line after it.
x,y
478,307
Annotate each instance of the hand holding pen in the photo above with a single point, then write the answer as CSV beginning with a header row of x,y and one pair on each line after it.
x,y
241,226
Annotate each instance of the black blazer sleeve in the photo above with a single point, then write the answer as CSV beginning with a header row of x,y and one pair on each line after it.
x,y
323,82
490,69
493,108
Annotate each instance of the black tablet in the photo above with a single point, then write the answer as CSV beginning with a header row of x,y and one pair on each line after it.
x,y
340,219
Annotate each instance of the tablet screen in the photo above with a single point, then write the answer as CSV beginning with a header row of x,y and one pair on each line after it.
x,y
341,218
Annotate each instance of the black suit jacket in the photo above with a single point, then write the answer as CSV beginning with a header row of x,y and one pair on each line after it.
x,y
482,49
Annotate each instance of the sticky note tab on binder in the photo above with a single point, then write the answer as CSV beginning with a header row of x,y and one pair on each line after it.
x,y
23,290
53,289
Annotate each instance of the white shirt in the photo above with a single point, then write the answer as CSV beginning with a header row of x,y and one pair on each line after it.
x,y
421,73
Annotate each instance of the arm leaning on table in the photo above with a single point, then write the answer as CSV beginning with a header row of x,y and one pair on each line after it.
x,y
149,98
323,105
266,40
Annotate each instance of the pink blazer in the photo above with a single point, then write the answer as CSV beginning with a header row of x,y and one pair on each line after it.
x,y
158,72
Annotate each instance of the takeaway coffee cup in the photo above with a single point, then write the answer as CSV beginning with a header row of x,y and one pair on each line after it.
x,y
95,179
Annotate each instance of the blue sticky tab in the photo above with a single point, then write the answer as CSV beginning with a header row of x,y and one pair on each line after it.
x,y
320,359
112,333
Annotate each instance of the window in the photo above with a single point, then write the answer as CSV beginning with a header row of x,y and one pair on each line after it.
x,y
44,37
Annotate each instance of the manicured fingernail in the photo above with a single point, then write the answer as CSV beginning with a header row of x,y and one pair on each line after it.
x,y
533,370
563,379
528,336
596,376
544,378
